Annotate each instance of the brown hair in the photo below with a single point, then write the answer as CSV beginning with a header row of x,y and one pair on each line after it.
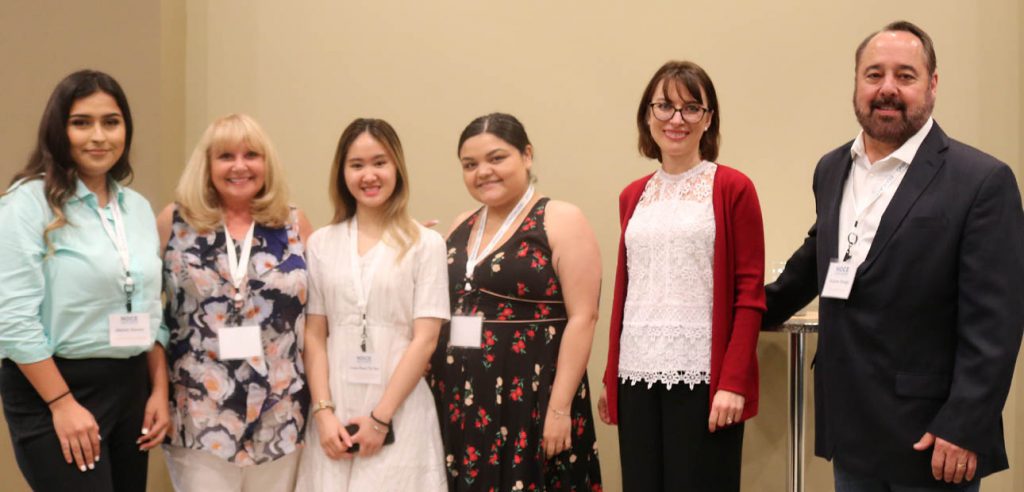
x,y
51,160
693,78
400,226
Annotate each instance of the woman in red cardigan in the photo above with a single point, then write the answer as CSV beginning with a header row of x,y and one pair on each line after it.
x,y
689,294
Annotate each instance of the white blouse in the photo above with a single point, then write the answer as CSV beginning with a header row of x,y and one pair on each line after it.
x,y
670,242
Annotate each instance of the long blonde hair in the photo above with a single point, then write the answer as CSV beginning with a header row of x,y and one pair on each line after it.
x,y
399,226
198,200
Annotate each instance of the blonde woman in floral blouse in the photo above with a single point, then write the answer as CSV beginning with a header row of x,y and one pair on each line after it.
x,y
235,280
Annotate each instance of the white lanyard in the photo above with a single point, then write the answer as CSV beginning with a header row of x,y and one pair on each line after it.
x,y
239,266
120,240
362,296
854,234
474,252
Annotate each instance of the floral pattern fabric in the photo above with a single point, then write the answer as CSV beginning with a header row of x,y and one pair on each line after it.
x,y
492,401
249,411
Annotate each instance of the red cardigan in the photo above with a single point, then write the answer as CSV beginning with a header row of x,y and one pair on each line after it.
x,y
738,290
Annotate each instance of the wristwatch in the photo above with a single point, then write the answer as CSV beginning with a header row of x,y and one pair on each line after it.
x,y
322,405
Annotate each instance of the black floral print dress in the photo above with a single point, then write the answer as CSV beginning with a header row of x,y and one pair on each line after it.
x,y
492,401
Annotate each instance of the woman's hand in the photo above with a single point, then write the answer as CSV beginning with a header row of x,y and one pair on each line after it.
x,y
78,432
557,432
726,409
156,421
602,407
334,440
370,436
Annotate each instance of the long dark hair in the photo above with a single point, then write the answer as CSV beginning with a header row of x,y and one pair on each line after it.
x,y
51,160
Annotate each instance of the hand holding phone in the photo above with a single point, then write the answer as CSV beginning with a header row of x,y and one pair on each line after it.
x,y
352,429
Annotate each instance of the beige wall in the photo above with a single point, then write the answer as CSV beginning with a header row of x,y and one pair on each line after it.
x,y
783,71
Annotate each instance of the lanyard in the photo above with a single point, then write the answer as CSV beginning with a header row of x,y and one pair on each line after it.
x,y
120,240
854,234
362,296
474,252
239,266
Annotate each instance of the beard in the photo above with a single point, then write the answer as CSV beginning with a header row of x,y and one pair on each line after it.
x,y
893,130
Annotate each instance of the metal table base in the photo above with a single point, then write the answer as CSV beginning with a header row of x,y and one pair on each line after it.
x,y
796,329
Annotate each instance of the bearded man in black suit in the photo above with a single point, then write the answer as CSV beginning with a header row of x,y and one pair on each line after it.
x,y
918,256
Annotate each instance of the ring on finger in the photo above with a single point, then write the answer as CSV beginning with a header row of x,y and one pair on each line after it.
x,y
961,465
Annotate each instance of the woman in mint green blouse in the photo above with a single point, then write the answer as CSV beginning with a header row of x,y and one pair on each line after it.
x,y
84,375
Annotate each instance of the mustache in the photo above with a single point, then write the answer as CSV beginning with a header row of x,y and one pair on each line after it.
x,y
888,103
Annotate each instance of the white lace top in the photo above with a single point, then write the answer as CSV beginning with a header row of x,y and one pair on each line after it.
x,y
670,242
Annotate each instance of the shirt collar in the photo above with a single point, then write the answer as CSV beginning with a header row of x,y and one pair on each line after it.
x,y
905,153
83,193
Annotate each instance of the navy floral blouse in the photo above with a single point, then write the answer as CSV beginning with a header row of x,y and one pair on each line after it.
x,y
245,411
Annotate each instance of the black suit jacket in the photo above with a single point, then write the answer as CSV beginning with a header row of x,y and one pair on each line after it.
x,y
928,338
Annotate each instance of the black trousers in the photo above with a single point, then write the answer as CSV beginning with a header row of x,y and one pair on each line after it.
x,y
665,445
115,391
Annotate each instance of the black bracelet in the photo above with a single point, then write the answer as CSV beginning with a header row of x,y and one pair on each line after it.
x,y
62,395
379,421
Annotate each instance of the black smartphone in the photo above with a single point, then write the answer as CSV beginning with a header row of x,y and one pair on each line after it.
x,y
352,429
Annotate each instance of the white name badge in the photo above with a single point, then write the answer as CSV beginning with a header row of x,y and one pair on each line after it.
x,y
239,342
467,331
839,280
130,330
363,368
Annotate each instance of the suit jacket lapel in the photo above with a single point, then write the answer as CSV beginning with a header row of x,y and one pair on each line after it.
x,y
922,170
828,227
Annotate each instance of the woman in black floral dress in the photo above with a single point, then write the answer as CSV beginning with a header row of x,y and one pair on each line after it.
x,y
509,374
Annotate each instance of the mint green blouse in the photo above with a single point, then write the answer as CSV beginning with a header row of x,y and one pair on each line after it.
x,y
59,305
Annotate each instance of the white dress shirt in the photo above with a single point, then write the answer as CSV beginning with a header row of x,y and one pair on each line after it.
x,y
868,191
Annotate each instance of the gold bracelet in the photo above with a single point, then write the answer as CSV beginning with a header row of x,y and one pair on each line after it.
x,y
322,405
557,413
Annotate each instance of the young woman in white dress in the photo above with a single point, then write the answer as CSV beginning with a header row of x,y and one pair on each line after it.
x,y
377,297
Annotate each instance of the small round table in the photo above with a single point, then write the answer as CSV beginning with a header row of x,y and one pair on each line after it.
x,y
797,327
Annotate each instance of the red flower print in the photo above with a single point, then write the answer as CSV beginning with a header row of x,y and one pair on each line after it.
x,y
524,248
529,223
542,311
521,289
552,287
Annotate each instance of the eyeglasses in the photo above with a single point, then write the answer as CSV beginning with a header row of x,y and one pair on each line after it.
x,y
691,113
